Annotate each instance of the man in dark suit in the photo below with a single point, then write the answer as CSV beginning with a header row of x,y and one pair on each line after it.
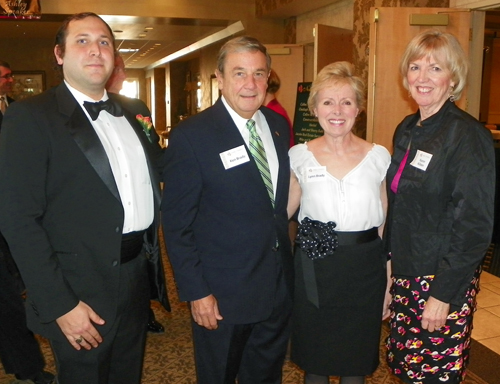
x,y
79,197
19,350
6,81
225,223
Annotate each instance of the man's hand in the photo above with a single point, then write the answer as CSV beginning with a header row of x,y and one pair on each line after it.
x,y
205,312
434,314
77,325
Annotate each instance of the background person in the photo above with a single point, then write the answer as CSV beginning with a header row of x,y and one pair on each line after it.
x,y
79,197
156,275
6,81
441,189
340,285
273,86
19,350
226,226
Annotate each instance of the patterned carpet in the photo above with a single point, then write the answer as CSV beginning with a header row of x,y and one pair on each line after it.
x,y
169,356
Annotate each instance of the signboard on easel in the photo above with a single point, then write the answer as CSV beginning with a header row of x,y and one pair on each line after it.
x,y
305,125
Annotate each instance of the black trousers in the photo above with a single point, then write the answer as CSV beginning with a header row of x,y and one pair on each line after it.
x,y
19,350
119,358
253,353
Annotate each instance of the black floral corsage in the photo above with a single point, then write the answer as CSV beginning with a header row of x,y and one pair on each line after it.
x,y
316,238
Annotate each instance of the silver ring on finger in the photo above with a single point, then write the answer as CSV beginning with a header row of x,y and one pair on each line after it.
x,y
79,340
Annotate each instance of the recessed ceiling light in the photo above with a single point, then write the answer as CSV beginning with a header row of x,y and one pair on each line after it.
x,y
128,50
157,43
148,28
141,35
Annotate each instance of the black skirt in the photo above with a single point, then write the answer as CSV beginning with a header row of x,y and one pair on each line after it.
x,y
340,336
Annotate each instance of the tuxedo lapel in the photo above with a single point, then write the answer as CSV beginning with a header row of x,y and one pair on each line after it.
x,y
86,138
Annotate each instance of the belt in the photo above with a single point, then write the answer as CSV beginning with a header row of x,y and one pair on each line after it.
x,y
361,237
131,246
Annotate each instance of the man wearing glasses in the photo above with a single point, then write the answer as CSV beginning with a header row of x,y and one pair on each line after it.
x,y
6,80
19,350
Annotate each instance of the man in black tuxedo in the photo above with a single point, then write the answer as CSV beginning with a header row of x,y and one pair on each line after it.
x,y
225,223
6,81
79,197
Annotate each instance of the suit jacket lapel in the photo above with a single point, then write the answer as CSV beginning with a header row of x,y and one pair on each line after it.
x,y
86,138
282,153
231,137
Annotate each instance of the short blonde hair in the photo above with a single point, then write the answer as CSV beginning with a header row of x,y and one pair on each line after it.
x,y
338,73
442,46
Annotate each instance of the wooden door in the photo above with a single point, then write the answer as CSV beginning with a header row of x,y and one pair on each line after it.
x,y
390,32
331,44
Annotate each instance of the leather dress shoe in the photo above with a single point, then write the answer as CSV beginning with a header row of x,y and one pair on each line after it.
x,y
155,327
42,377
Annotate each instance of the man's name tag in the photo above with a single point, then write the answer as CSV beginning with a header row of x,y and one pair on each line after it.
x,y
234,157
421,160
315,174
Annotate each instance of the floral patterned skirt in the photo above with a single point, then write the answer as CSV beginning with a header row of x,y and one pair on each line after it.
x,y
416,355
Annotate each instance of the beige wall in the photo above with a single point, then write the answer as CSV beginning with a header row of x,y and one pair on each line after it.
x,y
339,14
31,55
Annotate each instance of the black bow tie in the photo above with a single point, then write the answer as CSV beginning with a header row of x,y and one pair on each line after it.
x,y
109,106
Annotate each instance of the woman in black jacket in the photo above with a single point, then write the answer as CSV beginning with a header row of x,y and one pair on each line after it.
x,y
441,190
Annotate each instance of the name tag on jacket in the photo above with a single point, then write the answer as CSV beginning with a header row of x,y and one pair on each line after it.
x,y
234,157
421,160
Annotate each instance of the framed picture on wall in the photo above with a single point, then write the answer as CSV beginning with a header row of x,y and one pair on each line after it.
x,y
27,83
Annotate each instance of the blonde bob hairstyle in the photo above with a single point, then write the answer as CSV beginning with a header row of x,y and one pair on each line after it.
x,y
445,49
337,74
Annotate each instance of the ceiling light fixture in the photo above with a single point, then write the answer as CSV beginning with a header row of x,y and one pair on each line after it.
x,y
128,50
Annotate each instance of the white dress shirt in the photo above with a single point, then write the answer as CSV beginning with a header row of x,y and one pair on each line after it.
x,y
265,135
128,163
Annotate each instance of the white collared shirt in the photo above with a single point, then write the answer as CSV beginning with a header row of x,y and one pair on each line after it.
x,y
265,135
128,163
6,101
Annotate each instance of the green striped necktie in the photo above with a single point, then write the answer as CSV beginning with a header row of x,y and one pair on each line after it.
x,y
259,154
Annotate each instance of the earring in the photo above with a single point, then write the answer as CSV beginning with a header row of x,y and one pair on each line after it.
x,y
409,94
452,96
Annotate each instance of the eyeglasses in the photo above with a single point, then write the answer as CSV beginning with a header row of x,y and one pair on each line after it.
x,y
7,76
